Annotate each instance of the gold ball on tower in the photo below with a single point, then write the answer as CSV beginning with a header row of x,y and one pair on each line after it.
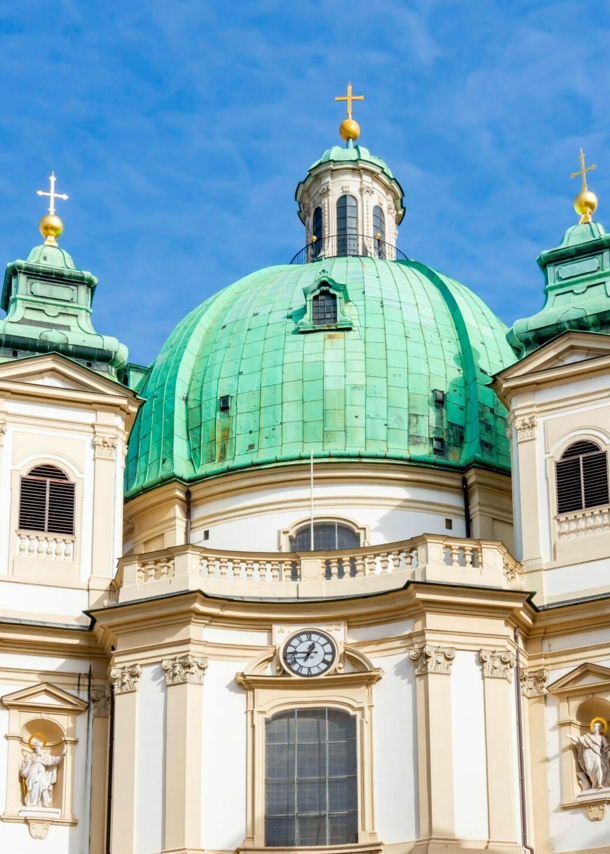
x,y
350,129
585,204
51,227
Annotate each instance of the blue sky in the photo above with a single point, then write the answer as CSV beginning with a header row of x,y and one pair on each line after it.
x,y
180,130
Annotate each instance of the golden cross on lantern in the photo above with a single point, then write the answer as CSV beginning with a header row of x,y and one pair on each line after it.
x,y
52,195
349,98
582,171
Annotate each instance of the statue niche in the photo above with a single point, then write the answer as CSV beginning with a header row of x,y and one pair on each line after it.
x,y
593,755
39,773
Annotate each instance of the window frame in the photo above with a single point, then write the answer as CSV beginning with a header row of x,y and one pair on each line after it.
x,y
66,480
286,534
577,462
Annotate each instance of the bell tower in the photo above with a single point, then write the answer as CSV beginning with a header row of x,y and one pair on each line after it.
x,y
350,203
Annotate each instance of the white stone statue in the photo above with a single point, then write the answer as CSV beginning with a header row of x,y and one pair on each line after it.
x,y
39,770
593,753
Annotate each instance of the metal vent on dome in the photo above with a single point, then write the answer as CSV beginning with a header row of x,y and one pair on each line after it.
x,y
582,478
46,502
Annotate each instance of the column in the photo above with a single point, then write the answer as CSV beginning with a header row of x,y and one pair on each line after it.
x,y
125,684
501,744
105,445
434,746
533,688
100,698
184,679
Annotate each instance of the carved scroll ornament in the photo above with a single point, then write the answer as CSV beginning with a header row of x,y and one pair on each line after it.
x,y
125,679
497,663
184,668
432,659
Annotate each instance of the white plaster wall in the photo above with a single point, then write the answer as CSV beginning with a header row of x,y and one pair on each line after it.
x,y
387,630
395,751
516,486
4,718
150,761
384,509
577,578
49,663
469,749
54,413
63,604
223,791
6,451
227,636
571,830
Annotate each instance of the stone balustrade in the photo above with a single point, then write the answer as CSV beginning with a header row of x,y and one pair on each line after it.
x,y
354,572
45,546
583,522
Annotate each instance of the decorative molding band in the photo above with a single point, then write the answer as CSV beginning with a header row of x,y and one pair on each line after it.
x,y
533,682
101,701
125,679
526,428
497,663
432,659
104,447
184,668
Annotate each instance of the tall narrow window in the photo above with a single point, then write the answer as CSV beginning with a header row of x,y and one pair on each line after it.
x,y
317,231
582,477
311,786
378,222
347,226
324,308
46,501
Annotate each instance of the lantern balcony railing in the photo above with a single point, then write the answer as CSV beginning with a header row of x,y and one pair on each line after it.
x,y
345,245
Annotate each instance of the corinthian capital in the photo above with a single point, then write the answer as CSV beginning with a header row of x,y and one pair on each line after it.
x,y
125,679
184,668
432,659
533,682
104,447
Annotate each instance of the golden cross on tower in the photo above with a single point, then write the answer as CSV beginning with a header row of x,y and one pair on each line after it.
x,y
349,98
350,129
582,171
585,202
52,195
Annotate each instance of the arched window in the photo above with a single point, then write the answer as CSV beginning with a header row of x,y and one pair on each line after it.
x,y
582,477
46,501
327,537
324,308
317,231
347,226
378,222
311,785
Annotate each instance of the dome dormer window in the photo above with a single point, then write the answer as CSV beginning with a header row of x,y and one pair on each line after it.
x,y
325,306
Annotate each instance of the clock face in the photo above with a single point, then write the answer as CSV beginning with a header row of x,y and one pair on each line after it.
x,y
309,653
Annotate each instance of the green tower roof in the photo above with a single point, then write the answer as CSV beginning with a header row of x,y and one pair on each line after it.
x,y
576,291
246,379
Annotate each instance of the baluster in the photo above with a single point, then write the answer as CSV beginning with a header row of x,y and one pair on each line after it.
x,y
334,567
360,567
61,548
454,552
224,565
35,546
395,561
384,562
249,568
468,555
275,570
140,574
370,564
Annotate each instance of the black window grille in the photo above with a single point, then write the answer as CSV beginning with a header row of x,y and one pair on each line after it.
x,y
311,781
582,477
327,537
46,501
347,226
324,309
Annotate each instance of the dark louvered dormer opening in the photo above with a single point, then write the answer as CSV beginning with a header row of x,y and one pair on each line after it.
x,y
582,478
46,502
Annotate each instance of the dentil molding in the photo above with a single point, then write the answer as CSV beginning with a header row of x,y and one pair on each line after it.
x,y
184,668
432,659
497,663
125,679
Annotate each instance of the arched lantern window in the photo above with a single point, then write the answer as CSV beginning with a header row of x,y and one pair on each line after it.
x,y
46,501
379,223
327,537
347,226
317,230
582,477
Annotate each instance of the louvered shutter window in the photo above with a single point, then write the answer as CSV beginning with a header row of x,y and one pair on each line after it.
x,y
582,478
46,502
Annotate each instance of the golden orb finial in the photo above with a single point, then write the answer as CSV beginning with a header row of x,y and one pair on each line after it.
x,y
585,202
50,225
349,129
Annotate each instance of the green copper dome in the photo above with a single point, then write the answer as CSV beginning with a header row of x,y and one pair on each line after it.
x,y
249,379
340,154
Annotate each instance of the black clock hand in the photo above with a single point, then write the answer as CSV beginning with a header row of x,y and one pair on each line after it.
x,y
312,646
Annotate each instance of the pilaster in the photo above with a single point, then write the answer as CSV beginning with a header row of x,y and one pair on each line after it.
x,y
125,685
184,679
499,692
434,745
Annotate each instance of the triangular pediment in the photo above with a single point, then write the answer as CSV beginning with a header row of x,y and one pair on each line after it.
x,y
583,677
57,372
44,697
566,349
